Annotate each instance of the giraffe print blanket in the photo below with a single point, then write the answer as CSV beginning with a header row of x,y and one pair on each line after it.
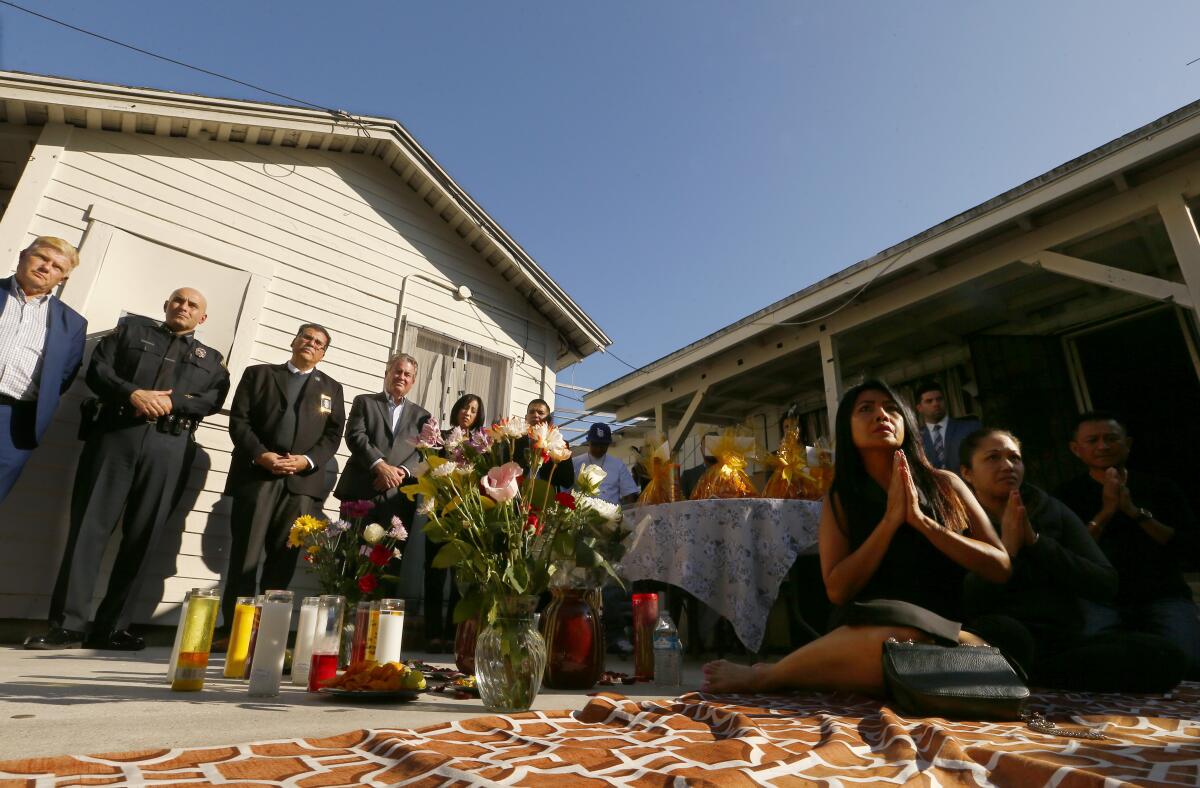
x,y
695,739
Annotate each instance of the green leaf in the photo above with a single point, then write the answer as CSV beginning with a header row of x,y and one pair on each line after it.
x,y
468,607
450,554
436,532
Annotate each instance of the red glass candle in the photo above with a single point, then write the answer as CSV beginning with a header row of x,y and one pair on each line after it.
x,y
645,615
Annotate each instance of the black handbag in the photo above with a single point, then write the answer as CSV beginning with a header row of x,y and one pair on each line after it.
x,y
956,682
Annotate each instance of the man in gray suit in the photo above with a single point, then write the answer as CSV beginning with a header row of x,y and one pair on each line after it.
x,y
383,454
941,435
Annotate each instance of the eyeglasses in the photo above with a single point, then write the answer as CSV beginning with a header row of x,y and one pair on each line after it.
x,y
309,339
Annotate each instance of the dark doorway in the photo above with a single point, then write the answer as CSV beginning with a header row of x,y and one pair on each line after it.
x,y
1142,369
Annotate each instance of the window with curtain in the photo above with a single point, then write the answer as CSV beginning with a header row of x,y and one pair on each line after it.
x,y
447,368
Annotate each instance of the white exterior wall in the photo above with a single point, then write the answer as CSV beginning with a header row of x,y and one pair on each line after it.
x,y
340,232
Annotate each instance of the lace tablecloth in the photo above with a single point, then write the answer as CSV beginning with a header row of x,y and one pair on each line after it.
x,y
730,554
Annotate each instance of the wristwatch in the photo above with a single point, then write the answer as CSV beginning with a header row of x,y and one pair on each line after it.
x,y
1143,515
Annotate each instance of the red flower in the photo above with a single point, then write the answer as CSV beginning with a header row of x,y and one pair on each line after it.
x,y
367,583
535,523
565,499
380,555
356,509
545,456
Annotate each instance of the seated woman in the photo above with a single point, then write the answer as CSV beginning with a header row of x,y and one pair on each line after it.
x,y
896,538
1036,616
466,414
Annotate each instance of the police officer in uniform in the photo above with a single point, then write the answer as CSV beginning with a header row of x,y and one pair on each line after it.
x,y
286,423
154,383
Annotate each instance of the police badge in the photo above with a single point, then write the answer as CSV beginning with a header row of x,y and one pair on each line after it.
x,y
326,403
200,352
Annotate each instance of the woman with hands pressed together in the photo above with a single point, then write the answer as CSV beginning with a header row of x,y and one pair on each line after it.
x,y
1036,616
896,539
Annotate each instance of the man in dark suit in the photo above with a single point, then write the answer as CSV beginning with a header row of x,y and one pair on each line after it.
x,y
286,423
41,350
941,435
154,383
383,451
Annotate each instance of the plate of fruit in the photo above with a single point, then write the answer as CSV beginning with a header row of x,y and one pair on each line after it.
x,y
368,681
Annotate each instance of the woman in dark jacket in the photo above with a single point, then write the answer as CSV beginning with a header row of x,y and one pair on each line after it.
x,y
466,414
1036,615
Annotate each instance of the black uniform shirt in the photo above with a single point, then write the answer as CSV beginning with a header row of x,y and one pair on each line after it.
x,y
168,367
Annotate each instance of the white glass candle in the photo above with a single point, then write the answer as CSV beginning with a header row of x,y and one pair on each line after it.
x,y
178,636
302,655
273,626
391,630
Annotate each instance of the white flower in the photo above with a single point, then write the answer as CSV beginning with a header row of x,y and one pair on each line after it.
x,y
514,427
456,437
590,476
398,530
538,433
373,533
426,506
610,512
556,446
445,469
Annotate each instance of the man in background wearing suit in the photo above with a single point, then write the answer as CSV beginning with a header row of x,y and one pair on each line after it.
x,y
941,435
286,423
383,453
41,350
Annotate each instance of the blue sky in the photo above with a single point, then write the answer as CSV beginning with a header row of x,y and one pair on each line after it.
x,y
676,165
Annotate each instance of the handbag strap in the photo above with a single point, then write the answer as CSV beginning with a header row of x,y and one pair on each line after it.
x,y
1036,722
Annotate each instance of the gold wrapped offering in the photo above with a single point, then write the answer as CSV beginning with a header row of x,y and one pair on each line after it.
x,y
728,477
791,477
663,486
820,467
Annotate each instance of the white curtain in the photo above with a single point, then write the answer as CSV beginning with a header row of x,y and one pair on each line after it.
x,y
448,368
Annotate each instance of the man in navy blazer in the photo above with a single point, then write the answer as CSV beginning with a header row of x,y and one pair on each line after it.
x,y
941,435
41,350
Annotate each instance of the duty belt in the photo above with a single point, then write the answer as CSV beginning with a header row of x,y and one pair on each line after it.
x,y
175,425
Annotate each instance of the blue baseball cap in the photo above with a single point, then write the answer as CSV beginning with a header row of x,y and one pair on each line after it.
x,y
599,433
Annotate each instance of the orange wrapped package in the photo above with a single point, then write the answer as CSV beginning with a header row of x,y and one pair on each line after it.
x,y
791,477
663,486
728,477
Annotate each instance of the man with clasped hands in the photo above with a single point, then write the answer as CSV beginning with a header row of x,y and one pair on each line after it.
x,y
286,423
154,382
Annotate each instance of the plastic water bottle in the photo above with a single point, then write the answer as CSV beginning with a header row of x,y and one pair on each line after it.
x,y
668,652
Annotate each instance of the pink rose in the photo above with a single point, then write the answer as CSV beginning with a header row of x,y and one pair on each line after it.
x,y
501,484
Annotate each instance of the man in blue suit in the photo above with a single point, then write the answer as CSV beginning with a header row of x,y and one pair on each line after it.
x,y
41,349
941,435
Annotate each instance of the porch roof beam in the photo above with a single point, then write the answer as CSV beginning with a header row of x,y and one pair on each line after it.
x,y
1107,276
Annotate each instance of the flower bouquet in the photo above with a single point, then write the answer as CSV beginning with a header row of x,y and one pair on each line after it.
x,y
505,531
351,556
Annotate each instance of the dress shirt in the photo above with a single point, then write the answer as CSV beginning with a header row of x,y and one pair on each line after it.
x,y
292,368
618,481
23,327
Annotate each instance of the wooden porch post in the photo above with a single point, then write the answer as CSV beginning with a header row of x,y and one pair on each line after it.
x,y
832,374
1181,228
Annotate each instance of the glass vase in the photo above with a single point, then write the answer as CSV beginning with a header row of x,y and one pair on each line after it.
x,y
510,657
574,638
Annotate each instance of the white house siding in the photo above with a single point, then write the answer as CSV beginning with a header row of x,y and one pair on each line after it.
x,y
342,230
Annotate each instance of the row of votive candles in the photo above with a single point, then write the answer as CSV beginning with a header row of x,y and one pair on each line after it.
x,y
259,633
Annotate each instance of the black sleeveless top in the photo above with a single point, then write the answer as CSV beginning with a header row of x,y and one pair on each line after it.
x,y
912,570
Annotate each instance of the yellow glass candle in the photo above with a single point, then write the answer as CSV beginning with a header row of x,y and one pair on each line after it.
x,y
196,641
239,638
373,631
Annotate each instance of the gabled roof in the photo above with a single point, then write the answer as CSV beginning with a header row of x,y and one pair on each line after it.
x,y
33,99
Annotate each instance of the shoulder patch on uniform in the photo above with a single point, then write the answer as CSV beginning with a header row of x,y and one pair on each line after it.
x,y
200,352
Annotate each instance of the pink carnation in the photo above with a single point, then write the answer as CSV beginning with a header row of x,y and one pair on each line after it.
x,y
430,437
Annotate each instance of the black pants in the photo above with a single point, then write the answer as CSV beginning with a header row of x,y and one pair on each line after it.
x,y
262,517
135,470
439,612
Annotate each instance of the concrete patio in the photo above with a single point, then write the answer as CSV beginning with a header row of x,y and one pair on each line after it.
x,y
86,701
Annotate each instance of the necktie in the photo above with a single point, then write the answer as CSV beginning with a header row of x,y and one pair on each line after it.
x,y
939,447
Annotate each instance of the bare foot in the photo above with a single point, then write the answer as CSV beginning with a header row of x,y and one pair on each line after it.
x,y
725,676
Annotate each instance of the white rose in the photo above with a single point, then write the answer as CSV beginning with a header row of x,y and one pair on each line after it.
x,y
373,533
591,475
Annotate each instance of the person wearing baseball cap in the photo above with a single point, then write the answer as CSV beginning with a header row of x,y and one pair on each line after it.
x,y
618,486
